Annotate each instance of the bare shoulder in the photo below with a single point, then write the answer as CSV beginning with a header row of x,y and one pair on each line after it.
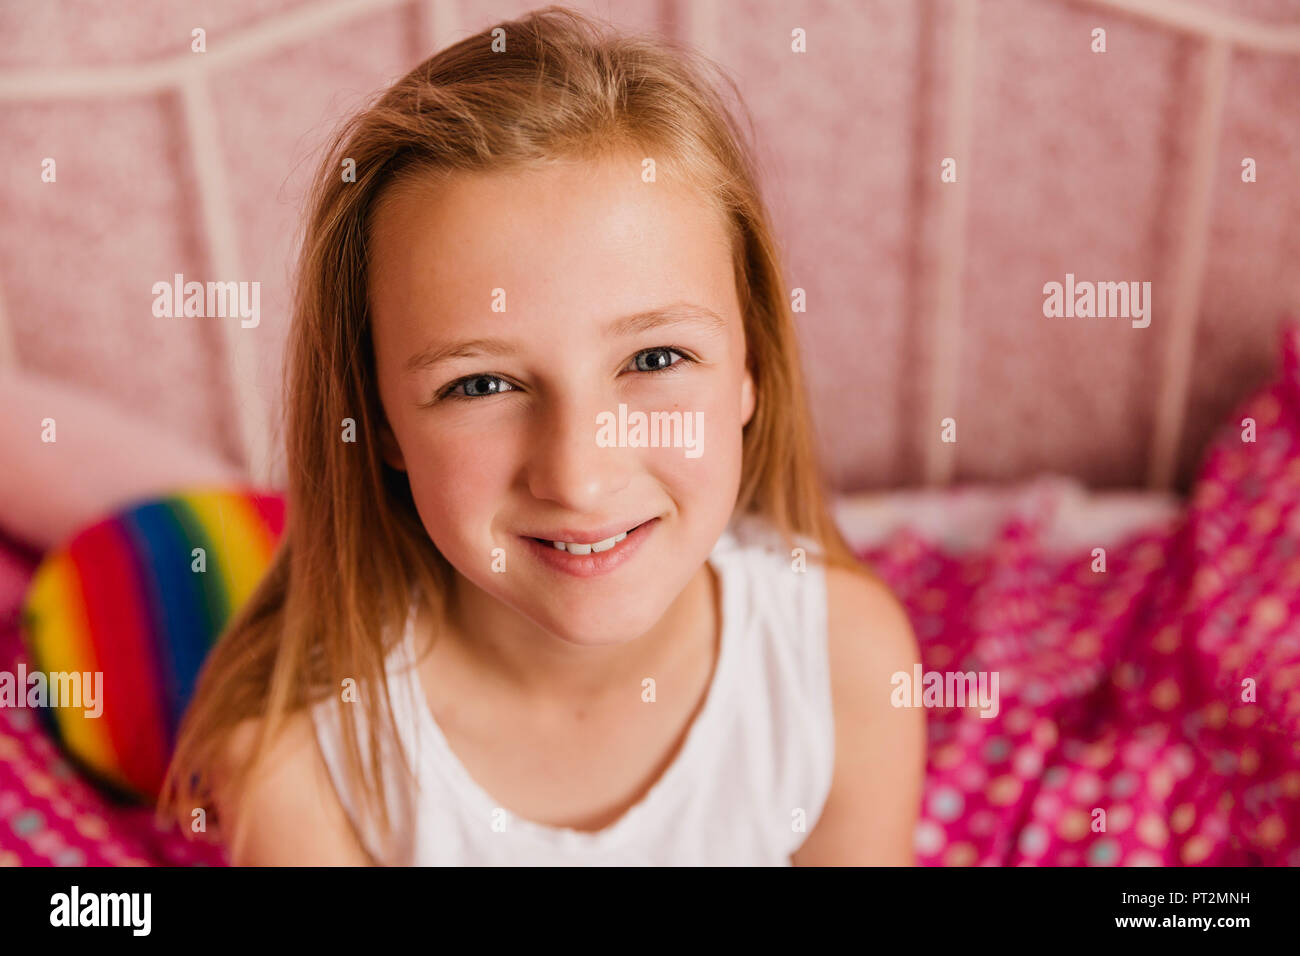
x,y
868,633
875,794
287,813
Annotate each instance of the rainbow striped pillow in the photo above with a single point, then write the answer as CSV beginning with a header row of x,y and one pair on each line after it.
x,y
139,598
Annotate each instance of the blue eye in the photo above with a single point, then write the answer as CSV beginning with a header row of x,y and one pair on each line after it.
x,y
478,386
659,360
481,386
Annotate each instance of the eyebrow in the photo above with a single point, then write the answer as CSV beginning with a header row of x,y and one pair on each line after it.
x,y
675,314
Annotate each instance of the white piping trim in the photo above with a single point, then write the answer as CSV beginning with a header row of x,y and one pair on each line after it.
x,y
945,325
433,19
8,346
1212,25
169,72
240,344
699,23
1188,272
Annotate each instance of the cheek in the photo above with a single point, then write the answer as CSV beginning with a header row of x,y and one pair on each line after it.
x,y
457,481
714,471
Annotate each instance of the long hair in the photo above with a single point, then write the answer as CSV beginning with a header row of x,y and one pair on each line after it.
x,y
563,87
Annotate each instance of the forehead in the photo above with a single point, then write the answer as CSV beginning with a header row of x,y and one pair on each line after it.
x,y
580,238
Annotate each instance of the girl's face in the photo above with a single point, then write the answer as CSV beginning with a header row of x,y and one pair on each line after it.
x,y
525,324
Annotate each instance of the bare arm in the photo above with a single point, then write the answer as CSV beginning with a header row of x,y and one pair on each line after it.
x,y
875,794
288,813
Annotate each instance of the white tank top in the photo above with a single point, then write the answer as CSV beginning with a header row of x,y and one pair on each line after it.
x,y
746,787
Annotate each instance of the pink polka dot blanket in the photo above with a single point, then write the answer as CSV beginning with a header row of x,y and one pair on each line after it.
x,y
1147,714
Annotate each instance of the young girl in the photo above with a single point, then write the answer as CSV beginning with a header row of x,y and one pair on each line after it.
x,y
558,583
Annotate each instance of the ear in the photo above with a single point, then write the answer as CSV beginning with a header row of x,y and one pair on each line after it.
x,y
389,449
748,398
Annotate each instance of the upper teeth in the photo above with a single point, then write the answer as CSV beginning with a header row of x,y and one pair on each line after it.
x,y
588,548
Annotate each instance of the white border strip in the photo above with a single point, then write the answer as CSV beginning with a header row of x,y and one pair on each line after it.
x,y
252,420
945,325
1212,25
8,347
700,23
1188,277
164,74
428,22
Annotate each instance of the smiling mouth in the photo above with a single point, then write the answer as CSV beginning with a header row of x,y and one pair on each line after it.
x,y
595,547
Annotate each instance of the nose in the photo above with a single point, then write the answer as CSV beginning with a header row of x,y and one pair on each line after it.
x,y
568,467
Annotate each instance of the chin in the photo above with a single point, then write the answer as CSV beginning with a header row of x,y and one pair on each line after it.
x,y
595,627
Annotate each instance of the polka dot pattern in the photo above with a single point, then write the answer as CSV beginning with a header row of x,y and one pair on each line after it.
x,y
1149,715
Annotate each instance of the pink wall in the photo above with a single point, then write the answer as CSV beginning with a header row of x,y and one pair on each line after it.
x,y
1076,162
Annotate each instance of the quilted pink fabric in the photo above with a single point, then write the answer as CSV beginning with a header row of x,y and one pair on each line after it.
x,y
1120,691
1077,162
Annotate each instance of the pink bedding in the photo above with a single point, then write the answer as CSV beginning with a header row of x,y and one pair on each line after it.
x,y
1123,691
1120,691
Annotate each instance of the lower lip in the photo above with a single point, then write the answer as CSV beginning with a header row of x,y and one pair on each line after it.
x,y
593,564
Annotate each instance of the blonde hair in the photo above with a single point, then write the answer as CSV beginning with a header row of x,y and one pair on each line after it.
x,y
565,87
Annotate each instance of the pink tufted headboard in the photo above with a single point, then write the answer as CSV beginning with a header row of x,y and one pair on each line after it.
x,y
924,297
